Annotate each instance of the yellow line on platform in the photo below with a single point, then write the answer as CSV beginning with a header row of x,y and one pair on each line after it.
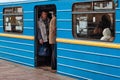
x,y
89,43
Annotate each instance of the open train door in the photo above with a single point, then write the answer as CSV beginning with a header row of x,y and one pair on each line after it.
x,y
45,25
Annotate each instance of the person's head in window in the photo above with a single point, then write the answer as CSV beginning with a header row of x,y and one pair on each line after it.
x,y
44,15
105,21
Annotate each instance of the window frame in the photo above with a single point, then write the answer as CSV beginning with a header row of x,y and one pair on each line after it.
x,y
74,32
14,14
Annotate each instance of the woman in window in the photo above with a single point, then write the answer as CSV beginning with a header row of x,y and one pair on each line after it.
x,y
103,24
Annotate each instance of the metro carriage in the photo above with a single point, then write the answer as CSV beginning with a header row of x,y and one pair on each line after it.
x,y
87,36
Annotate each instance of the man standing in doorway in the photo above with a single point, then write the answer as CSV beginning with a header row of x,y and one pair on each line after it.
x,y
43,36
52,40
43,26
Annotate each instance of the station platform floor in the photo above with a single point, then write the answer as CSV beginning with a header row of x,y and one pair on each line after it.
x,y
13,71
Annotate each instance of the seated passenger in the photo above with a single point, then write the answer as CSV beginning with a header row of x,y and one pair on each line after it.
x,y
103,24
106,35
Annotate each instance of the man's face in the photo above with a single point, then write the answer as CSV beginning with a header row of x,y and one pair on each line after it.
x,y
44,15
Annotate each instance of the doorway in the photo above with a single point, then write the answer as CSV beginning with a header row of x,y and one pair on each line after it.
x,y
45,37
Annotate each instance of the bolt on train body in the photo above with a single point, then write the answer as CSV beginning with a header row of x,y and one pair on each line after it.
x,y
87,39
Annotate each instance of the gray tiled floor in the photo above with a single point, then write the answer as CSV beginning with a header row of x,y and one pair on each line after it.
x,y
12,71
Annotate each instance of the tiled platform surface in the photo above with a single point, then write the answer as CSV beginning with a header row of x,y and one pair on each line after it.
x,y
12,71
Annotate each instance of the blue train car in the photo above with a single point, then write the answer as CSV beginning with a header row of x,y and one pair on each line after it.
x,y
88,36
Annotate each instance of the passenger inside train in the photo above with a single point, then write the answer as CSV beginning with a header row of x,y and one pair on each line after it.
x,y
104,28
91,18
46,36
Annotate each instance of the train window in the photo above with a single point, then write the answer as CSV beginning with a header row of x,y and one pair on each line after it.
x,y
13,19
94,20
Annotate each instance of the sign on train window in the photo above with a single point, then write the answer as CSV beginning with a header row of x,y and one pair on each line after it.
x,y
94,20
103,5
13,19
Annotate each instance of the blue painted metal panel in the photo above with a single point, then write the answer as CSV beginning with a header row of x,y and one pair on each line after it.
x,y
28,16
117,26
117,14
28,32
67,5
95,49
1,10
29,62
19,46
96,59
64,24
1,29
117,40
85,74
1,22
94,67
64,14
28,24
90,57
1,16
18,52
18,40
64,34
